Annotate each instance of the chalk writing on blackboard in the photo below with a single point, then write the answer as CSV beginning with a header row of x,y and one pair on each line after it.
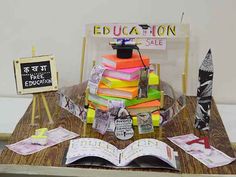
x,y
36,74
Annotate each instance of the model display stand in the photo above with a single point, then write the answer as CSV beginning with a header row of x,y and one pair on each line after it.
x,y
155,41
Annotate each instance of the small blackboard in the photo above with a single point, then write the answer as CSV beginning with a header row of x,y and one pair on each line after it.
x,y
36,74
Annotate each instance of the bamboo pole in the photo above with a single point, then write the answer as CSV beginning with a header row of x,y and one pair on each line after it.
x,y
33,110
86,111
186,67
46,108
33,51
162,99
184,86
82,59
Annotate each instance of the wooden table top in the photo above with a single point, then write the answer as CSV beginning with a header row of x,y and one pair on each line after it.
x,y
182,124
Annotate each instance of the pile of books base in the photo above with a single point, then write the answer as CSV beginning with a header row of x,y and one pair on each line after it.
x,y
120,81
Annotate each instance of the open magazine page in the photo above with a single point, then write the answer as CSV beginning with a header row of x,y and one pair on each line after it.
x,y
87,147
148,147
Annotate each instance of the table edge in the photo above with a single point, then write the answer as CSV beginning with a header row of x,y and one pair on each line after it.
x,y
12,170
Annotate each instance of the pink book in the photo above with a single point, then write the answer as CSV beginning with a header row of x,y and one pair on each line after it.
x,y
122,74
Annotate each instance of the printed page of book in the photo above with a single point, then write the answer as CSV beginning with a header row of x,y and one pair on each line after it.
x,y
87,147
148,147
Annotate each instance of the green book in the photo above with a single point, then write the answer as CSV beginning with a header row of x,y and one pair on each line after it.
x,y
153,94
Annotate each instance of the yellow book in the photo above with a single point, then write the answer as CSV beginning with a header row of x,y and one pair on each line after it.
x,y
155,118
153,79
117,83
125,92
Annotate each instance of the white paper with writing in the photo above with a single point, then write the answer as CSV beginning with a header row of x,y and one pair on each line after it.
x,y
212,159
69,105
85,147
95,77
101,121
114,106
145,147
55,136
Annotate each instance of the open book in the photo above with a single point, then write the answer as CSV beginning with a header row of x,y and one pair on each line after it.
x,y
157,153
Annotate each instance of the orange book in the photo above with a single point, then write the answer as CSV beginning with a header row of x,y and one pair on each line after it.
x,y
149,106
126,92
117,63
94,105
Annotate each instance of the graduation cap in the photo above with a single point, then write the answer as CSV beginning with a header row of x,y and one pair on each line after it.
x,y
124,48
144,26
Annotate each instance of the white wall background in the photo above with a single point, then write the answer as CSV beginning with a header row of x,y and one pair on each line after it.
x,y
55,27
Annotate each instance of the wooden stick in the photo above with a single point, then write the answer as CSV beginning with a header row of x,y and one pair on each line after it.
x,y
184,87
33,51
82,59
158,68
33,110
185,74
46,108
39,111
86,109
186,62
162,99
38,104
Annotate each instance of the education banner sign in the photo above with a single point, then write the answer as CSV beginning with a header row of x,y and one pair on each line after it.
x,y
135,30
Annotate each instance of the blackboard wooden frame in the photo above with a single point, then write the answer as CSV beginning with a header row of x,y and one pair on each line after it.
x,y
18,74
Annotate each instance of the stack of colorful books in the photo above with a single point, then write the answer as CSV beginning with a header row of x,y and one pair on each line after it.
x,y
120,81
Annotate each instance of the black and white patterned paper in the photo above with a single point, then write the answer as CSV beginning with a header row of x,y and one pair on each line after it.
x,y
204,93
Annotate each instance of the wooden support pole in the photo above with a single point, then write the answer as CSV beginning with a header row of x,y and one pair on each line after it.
x,y
158,70
184,93
162,99
82,59
33,110
33,51
186,67
86,111
58,108
184,86
46,108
